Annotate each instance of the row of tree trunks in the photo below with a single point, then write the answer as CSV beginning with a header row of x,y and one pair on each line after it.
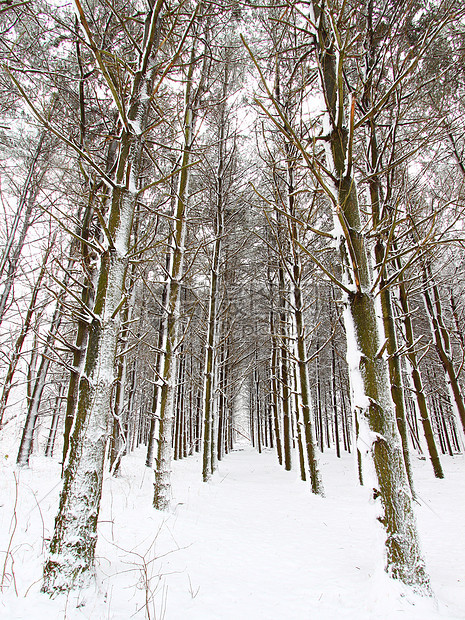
x,y
15,356
25,446
442,341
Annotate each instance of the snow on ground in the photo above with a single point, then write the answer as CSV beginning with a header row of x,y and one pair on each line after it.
x,y
253,544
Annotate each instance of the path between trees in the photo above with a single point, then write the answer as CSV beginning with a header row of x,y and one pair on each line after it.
x,y
254,543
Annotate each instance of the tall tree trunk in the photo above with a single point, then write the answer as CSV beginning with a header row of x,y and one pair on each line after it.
x,y
334,401
295,270
304,385
83,321
119,439
274,379
276,409
319,407
166,398
72,547
380,217
299,425
371,397
284,372
152,439
211,343
211,356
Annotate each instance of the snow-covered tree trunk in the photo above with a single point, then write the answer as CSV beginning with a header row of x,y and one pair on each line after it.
x,y
169,353
285,391
381,214
181,426
274,381
394,364
334,400
73,543
378,439
72,547
120,413
304,385
152,438
211,353
83,320
166,398
299,425
300,344
387,310
223,390
168,365
118,441
211,358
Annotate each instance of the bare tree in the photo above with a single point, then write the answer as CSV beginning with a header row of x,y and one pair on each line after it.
x,y
73,543
174,275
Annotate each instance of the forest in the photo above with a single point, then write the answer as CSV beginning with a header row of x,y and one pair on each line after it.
x,y
232,235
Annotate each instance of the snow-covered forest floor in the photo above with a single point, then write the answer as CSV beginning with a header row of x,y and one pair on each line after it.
x,y
253,544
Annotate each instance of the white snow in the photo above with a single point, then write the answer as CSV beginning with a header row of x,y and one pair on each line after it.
x,y
359,399
252,544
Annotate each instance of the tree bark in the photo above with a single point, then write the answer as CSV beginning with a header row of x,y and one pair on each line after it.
x,y
166,398
211,354
72,548
371,397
